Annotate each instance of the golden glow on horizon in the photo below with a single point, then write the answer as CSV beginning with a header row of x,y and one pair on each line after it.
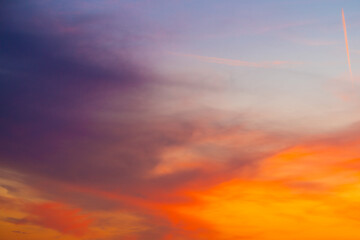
x,y
314,186
311,187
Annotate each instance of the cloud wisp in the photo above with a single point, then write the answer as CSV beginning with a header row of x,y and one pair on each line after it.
x,y
346,44
234,62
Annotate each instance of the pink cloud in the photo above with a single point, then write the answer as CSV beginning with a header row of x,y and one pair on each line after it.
x,y
234,62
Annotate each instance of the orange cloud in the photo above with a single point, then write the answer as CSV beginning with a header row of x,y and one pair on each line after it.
x,y
313,186
57,216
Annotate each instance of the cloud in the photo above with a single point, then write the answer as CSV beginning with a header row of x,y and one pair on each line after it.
x,y
51,90
234,62
346,43
83,128
55,216
313,182
19,232
309,41
88,124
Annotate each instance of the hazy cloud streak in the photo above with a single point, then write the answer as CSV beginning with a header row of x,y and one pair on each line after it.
x,y
234,62
346,43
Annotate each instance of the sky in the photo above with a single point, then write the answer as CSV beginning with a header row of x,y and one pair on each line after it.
x,y
179,120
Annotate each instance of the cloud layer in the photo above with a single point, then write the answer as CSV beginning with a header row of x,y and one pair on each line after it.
x,y
103,137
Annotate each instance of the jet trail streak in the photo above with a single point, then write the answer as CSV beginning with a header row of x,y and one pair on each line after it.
x,y
346,43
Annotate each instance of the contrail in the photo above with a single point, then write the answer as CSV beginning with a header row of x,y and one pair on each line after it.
x,y
346,43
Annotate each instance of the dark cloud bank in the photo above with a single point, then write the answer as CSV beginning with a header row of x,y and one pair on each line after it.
x,y
55,79
51,89
47,90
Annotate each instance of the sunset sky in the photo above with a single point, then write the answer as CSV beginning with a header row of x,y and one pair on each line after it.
x,y
179,120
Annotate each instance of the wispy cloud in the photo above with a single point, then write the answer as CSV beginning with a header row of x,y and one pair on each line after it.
x,y
346,42
308,41
235,62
